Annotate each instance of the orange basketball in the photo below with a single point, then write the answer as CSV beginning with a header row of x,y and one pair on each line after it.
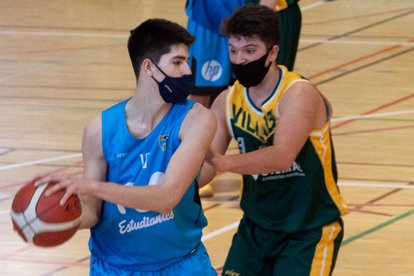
x,y
40,220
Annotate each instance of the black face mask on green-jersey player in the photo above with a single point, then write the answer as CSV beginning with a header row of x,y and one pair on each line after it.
x,y
252,73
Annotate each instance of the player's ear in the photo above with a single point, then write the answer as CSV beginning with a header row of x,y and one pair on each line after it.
x,y
147,67
273,52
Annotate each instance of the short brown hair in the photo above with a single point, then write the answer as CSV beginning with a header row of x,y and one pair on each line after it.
x,y
253,20
154,38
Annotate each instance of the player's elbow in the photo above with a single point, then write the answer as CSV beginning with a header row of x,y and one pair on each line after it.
x,y
286,164
282,164
207,174
167,205
87,224
165,209
91,212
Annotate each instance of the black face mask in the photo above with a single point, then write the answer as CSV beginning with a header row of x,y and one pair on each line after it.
x,y
174,90
252,73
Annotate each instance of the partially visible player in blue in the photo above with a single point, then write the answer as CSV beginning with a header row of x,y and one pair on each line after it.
x,y
209,57
142,157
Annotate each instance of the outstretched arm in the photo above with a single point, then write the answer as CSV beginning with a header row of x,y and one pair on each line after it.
x,y
196,134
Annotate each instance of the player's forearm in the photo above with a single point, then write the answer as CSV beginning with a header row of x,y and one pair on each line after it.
x,y
156,198
261,161
269,3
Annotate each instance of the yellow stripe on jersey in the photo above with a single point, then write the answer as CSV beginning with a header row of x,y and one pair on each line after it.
x,y
322,260
281,5
320,140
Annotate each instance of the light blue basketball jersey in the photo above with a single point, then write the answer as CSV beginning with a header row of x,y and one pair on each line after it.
x,y
209,57
139,239
210,14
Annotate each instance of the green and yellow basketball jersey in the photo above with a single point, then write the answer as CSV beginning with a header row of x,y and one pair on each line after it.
x,y
303,197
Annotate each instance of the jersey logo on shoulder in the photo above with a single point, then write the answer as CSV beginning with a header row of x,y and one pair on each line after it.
x,y
162,141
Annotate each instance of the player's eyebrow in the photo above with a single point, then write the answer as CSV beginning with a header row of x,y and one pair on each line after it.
x,y
179,57
245,46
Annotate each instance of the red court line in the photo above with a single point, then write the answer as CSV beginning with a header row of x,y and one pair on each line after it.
x,y
371,130
361,58
9,255
358,59
375,110
358,210
357,17
381,205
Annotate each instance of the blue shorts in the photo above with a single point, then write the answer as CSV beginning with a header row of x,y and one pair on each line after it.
x,y
209,60
195,263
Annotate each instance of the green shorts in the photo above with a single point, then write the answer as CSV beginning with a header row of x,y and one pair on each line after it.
x,y
258,251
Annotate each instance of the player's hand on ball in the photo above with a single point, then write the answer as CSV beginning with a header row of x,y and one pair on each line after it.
x,y
71,183
40,220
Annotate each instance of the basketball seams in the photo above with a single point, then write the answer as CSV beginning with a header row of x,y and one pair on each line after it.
x,y
30,212
32,223
54,227
25,219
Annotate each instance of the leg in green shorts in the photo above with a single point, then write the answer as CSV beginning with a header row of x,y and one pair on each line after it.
x,y
258,251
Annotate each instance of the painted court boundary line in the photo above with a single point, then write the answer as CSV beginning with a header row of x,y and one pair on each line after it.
x,y
347,241
378,227
78,155
376,115
220,231
351,184
374,185
123,35
42,161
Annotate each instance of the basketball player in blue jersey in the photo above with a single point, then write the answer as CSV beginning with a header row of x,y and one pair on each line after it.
x,y
142,157
291,204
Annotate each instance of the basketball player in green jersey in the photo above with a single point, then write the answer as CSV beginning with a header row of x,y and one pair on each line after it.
x,y
210,61
291,204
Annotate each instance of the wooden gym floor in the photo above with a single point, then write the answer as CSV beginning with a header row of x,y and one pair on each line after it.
x,y
62,62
